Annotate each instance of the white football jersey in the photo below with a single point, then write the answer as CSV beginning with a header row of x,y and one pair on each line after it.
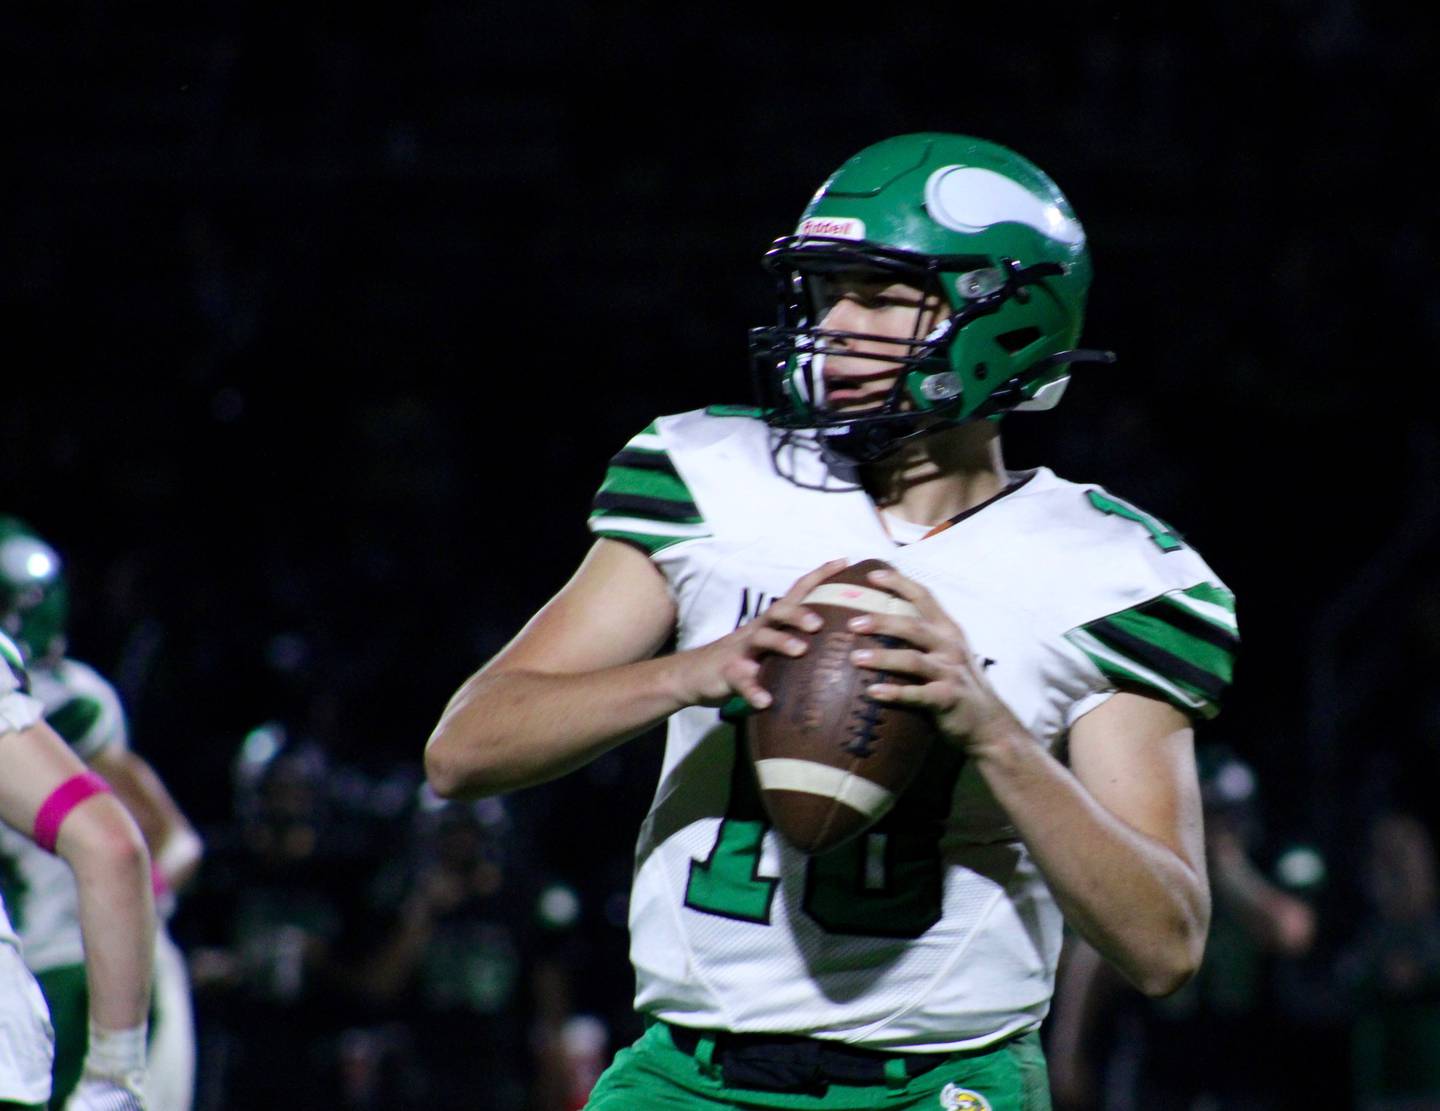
x,y
17,711
26,1037
40,887
25,1034
934,930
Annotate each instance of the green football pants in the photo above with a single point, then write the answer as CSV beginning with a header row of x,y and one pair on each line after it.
x,y
69,1000
652,1075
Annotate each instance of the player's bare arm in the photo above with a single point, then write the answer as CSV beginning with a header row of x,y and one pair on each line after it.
x,y
102,845
583,676
1118,835
176,849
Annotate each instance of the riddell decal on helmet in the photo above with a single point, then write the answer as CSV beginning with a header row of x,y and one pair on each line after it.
x,y
970,199
833,227
955,1098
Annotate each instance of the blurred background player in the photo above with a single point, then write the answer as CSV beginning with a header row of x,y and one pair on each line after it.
x,y
270,923
85,711
395,949
934,282
45,789
1115,1050
1391,969
473,960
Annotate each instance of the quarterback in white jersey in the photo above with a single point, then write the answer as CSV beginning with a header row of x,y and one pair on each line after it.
x,y
948,941
1061,640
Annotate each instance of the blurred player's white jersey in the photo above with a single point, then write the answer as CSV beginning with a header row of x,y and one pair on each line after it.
x,y
25,1036
81,706
934,931
44,905
18,710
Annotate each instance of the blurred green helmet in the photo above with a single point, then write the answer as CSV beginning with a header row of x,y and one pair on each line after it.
x,y
967,220
34,602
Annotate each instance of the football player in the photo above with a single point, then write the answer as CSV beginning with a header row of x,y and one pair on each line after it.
x,y
1064,643
86,712
1180,1052
46,791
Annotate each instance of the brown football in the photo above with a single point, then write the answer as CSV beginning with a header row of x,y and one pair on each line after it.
x,y
829,761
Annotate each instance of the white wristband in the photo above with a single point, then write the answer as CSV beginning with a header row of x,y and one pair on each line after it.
x,y
117,1053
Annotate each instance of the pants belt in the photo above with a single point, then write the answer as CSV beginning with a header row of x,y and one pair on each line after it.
x,y
790,1063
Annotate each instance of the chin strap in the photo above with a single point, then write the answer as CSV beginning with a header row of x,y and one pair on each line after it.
x,y
848,450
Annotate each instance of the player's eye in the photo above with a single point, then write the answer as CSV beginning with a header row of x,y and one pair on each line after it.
x,y
892,301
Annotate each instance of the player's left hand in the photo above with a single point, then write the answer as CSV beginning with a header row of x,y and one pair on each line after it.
x,y
951,679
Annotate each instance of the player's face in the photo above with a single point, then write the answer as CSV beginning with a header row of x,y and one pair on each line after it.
x,y
888,319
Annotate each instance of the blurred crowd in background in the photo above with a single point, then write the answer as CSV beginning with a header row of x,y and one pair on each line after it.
x,y
322,326
357,944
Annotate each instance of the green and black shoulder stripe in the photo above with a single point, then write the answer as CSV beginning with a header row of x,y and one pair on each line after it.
x,y
75,720
1180,646
643,500
14,663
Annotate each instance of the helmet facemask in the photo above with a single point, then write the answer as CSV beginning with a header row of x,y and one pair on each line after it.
x,y
929,390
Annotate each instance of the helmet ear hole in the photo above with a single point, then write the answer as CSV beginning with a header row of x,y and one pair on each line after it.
x,y
1018,339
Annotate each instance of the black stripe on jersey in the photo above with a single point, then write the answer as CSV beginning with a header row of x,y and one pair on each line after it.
x,y
15,663
1176,615
22,680
661,509
643,461
74,719
1157,659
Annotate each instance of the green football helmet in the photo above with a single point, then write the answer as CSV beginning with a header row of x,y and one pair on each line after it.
x,y
960,218
34,602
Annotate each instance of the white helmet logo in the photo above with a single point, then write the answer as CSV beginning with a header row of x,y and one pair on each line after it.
x,y
970,199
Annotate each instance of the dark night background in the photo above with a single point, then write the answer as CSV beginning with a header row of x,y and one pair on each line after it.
x,y
321,325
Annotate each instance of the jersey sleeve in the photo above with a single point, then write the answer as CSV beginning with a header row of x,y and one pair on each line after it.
x,y
17,709
1179,646
89,716
644,500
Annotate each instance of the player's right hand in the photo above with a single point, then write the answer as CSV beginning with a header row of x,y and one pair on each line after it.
x,y
104,1093
730,666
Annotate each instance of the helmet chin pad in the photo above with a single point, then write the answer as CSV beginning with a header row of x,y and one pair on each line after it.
x,y
864,442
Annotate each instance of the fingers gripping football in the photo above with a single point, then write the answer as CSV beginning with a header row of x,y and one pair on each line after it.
x,y
950,679
731,665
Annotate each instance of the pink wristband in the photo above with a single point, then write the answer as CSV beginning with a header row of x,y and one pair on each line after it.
x,y
65,798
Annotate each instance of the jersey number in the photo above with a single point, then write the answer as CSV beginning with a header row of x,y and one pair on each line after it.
x,y
887,882
1165,537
